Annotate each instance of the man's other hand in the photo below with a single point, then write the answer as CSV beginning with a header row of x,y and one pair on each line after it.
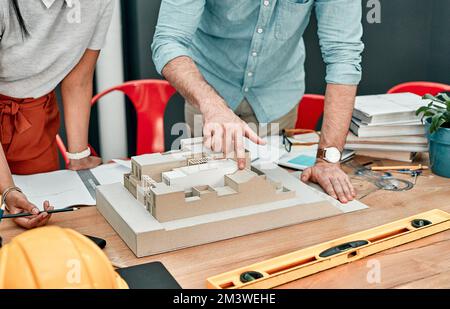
x,y
332,179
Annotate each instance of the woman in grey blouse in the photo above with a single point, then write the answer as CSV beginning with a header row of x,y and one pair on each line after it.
x,y
43,44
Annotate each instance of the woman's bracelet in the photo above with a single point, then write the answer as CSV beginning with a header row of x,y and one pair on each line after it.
x,y
80,155
5,196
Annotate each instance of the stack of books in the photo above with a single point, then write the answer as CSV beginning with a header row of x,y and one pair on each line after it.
x,y
386,126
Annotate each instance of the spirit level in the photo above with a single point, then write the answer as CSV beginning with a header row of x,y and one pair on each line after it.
x,y
290,267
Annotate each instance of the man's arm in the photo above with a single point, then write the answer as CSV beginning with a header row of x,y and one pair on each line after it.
x,y
223,131
77,89
339,104
340,32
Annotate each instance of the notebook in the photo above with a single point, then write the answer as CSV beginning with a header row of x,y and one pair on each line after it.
x,y
389,147
69,188
362,130
301,160
387,140
387,108
408,157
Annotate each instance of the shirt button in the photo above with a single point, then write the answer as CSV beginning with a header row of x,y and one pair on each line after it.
x,y
260,30
250,74
266,3
246,89
254,54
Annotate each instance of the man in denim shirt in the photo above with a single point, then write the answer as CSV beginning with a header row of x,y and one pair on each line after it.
x,y
240,60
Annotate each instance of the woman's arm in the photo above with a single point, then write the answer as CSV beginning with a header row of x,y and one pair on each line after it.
x,y
77,89
6,180
17,202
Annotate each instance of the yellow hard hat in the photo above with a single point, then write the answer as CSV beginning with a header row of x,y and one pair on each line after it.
x,y
56,258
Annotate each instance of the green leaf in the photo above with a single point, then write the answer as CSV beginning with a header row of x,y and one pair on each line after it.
x,y
447,117
429,113
442,121
421,110
436,122
432,98
428,97
438,107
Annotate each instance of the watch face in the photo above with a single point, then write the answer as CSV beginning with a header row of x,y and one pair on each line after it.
x,y
333,155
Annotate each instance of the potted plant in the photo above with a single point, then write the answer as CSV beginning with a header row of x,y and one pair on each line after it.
x,y
436,115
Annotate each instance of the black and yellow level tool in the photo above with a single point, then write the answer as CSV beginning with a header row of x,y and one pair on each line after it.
x,y
290,267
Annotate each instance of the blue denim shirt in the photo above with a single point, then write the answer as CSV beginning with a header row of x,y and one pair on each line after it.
x,y
254,49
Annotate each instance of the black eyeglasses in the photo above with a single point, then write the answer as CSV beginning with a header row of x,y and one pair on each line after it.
x,y
291,133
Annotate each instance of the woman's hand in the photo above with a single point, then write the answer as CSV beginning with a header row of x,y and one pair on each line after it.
x,y
18,203
84,164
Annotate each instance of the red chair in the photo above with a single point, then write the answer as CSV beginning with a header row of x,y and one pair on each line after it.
x,y
421,88
310,111
150,98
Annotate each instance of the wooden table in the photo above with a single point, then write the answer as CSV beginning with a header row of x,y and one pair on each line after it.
x,y
422,264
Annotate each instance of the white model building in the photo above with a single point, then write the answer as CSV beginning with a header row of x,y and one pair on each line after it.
x,y
191,182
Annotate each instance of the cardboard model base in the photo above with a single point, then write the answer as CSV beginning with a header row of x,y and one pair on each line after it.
x,y
146,236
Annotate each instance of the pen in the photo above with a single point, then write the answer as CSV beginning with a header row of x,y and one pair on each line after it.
x,y
2,211
412,168
50,212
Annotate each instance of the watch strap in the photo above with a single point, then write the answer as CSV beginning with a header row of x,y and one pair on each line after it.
x,y
321,153
80,155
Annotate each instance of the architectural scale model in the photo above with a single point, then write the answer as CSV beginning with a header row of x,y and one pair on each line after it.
x,y
182,185
192,196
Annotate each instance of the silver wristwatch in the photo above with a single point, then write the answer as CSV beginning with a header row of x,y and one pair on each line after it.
x,y
330,155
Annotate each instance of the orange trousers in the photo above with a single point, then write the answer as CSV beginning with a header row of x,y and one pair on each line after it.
x,y
28,133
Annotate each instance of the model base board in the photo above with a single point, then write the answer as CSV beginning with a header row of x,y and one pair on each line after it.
x,y
146,236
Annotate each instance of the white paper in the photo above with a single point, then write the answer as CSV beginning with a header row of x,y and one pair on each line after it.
x,y
62,189
111,173
373,105
274,151
270,152
65,188
124,163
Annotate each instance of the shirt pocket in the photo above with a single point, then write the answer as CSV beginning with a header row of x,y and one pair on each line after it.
x,y
292,17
